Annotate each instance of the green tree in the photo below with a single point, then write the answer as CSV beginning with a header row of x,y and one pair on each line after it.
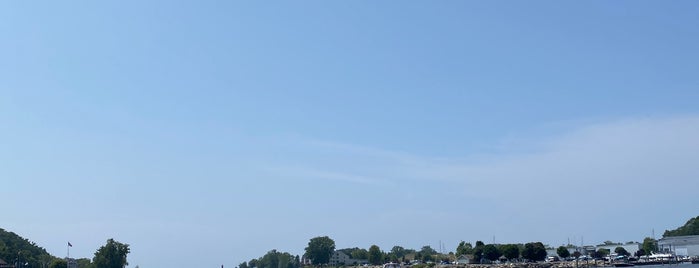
x,y
13,246
398,251
563,252
320,249
85,263
427,250
390,257
375,255
273,259
600,253
360,254
535,251
510,251
111,255
649,245
478,251
621,251
689,228
58,263
491,252
464,248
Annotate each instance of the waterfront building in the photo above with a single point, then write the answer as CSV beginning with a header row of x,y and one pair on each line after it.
x,y
341,258
680,245
631,248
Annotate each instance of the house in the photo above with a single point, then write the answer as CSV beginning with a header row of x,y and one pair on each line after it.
x,y
464,259
341,258
4,264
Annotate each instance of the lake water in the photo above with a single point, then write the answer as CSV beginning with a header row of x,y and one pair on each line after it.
x,y
679,265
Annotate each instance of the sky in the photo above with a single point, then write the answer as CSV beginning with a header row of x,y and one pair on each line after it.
x,y
206,133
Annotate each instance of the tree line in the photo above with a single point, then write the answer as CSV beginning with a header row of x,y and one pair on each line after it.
x,y
534,251
111,255
320,249
23,253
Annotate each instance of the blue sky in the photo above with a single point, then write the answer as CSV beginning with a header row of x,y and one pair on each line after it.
x,y
210,132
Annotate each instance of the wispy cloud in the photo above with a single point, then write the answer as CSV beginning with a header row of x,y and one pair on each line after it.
x,y
636,154
312,173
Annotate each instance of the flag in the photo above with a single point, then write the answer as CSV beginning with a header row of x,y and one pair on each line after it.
x,y
70,245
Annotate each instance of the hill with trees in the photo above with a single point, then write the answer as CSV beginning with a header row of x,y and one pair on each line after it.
x,y
14,248
689,228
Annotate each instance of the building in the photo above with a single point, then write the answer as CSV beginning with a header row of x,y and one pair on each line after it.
x,y
72,263
341,258
464,259
4,264
631,248
680,245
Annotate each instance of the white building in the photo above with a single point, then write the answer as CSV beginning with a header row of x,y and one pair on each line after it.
x,y
631,248
680,245
341,258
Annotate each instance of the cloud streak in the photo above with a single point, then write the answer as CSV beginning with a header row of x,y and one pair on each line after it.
x,y
639,155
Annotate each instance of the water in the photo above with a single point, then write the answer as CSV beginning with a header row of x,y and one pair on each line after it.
x,y
679,265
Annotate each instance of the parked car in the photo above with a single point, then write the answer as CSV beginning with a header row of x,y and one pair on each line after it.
x,y
552,258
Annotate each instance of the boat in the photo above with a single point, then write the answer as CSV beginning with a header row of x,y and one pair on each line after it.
x,y
392,265
624,264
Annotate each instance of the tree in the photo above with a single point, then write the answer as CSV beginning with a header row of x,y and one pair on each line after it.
x,y
649,245
534,251
510,251
600,253
689,228
360,254
427,250
15,247
478,251
390,257
111,255
621,251
319,249
398,251
464,248
275,259
491,252
58,263
577,254
243,265
375,255
563,252
85,263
